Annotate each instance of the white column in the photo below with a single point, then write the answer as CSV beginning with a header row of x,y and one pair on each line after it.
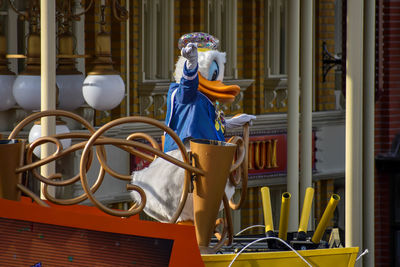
x,y
12,36
79,32
354,125
293,113
368,144
231,41
149,28
306,97
48,76
276,39
171,43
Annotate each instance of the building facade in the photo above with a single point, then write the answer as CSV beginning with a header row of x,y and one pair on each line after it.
x,y
256,36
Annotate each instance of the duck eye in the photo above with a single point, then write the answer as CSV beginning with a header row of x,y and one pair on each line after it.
x,y
213,72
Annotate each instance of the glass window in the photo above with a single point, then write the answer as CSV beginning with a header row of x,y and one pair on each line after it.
x,y
221,22
276,37
157,37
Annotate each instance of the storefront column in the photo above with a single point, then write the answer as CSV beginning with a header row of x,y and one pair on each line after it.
x,y
306,14
48,78
368,145
293,112
354,124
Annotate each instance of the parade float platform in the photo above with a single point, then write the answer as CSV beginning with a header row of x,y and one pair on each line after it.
x,y
84,236
60,232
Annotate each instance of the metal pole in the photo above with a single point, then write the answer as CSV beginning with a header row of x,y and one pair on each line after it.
x,y
128,64
293,113
48,77
354,125
306,97
368,144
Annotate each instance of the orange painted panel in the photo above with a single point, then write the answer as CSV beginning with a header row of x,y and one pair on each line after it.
x,y
34,234
24,243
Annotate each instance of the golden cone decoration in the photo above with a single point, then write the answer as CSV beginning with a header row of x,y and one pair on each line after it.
x,y
12,156
215,159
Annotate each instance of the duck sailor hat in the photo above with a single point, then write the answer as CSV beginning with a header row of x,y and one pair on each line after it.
x,y
203,40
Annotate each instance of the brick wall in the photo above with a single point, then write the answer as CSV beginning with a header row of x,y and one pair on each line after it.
x,y
382,220
323,192
252,213
251,49
325,32
134,43
189,17
387,118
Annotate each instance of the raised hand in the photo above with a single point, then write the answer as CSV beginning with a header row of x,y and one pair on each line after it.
x,y
190,53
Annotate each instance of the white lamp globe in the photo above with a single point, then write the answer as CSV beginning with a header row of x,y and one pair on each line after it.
x,y
70,95
7,99
36,132
26,90
103,92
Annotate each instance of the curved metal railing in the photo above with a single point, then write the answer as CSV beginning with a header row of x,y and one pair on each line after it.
x,y
95,140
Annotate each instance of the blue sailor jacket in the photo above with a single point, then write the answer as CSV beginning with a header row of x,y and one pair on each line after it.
x,y
190,113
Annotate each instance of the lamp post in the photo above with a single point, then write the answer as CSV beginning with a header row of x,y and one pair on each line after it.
x,y
26,88
103,88
69,79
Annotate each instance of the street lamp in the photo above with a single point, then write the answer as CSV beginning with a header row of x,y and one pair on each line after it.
x,y
103,88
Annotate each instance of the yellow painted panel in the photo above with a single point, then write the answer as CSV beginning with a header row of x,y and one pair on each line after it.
x,y
335,257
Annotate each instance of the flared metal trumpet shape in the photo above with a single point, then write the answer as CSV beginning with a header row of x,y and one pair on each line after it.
x,y
215,159
12,157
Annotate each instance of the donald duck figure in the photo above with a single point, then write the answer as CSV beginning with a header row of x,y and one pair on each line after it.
x,y
191,113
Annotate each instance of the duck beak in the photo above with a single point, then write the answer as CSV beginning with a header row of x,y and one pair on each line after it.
x,y
216,90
